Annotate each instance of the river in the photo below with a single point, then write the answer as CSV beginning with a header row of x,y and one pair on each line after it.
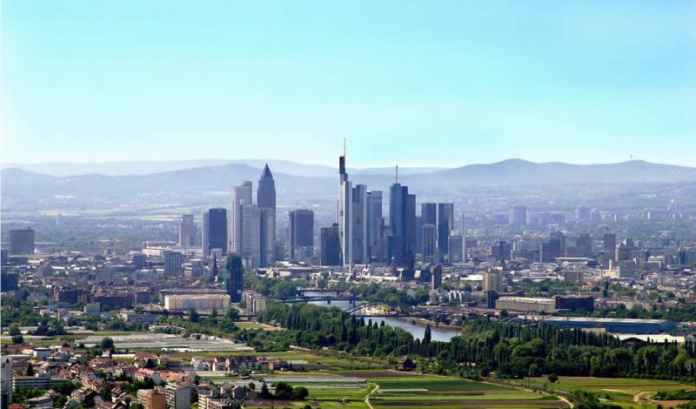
x,y
414,328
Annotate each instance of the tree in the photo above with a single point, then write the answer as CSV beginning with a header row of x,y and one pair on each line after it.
x,y
193,315
17,339
553,378
283,391
106,343
14,330
30,370
299,393
427,335
265,393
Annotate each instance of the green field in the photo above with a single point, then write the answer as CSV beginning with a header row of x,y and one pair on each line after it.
x,y
443,392
625,392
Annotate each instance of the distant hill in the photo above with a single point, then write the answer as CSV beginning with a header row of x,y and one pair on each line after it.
x,y
148,167
522,172
306,184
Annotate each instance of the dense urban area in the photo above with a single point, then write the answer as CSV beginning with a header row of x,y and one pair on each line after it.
x,y
375,300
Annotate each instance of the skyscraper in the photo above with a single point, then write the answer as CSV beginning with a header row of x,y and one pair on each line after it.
x,y
445,224
266,201
251,226
301,234
173,263
519,216
375,226
187,231
330,246
242,197
609,242
235,277
345,225
214,231
429,241
22,241
401,222
358,213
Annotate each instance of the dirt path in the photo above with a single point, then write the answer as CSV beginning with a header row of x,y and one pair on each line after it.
x,y
367,397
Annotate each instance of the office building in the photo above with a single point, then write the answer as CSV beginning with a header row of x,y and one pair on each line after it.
x,y
609,246
518,217
235,278
493,280
187,231
345,225
330,246
583,245
21,241
456,248
401,249
436,277
214,231
375,227
358,217
178,396
301,234
173,262
429,242
445,224
266,201
242,197
502,251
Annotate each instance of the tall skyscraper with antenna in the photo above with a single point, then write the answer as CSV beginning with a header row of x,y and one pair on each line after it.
x,y
345,201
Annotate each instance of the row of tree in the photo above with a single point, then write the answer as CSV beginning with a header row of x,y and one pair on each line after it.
x,y
510,349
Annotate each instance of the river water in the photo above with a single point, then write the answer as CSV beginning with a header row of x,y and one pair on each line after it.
x,y
414,328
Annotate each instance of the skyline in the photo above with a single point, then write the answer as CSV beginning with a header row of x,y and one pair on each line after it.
x,y
444,84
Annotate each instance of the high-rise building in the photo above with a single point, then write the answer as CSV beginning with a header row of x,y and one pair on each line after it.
x,y
251,225
445,224
358,218
436,277
400,250
215,231
411,225
502,251
492,280
242,197
187,231
456,248
583,245
609,243
345,225
375,227
583,213
173,262
429,241
519,216
330,246
235,277
301,234
21,241
266,200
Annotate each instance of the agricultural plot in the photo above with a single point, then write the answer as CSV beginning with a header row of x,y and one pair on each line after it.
x,y
443,392
628,393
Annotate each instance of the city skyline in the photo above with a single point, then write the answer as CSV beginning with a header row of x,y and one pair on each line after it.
x,y
450,84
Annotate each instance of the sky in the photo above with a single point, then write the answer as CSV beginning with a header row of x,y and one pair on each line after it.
x,y
420,83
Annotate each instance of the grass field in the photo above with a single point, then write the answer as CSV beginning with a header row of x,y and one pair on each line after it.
x,y
443,392
628,393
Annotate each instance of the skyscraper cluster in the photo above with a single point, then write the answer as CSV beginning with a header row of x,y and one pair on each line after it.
x,y
252,226
363,236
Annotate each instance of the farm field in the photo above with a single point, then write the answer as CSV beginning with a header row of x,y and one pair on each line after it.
x,y
628,393
443,392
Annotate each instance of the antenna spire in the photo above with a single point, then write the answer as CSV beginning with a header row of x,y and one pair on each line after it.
x,y
344,146
397,173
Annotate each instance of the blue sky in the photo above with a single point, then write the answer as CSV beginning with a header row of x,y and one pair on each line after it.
x,y
418,82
